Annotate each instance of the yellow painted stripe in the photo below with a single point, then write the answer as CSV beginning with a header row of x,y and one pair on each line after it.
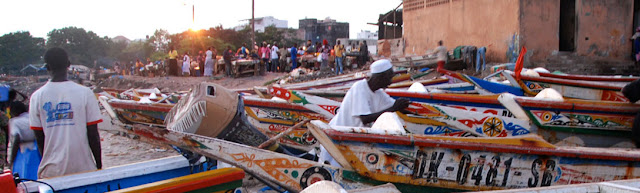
x,y
423,121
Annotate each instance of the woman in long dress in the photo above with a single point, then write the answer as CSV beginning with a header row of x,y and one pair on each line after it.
x,y
208,64
186,64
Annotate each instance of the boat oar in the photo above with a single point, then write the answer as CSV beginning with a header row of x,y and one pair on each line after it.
x,y
286,132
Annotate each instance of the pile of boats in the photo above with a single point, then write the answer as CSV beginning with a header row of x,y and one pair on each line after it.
x,y
463,133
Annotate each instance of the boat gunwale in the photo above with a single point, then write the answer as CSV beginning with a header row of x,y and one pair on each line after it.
x,y
411,140
588,77
574,83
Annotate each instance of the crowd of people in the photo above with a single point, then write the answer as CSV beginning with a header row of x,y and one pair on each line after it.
x,y
272,57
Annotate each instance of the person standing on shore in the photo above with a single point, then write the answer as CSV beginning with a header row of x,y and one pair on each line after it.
x,y
284,65
25,156
173,62
274,58
209,64
186,64
339,51
227,61
64,117
263,52
294,55
441,55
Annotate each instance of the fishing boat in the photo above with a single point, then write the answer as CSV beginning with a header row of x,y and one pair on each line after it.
x,y
415,61
594,123
220,180
579,89
347,80
428,119
588,123
591,123
483,86
148,95
416,162
472,163
126,176
145,113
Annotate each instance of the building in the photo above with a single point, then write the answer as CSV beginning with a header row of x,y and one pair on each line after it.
x,y
318,30
366,34
263,22
582,28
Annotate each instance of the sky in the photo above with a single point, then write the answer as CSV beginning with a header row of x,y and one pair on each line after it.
x,y
135,19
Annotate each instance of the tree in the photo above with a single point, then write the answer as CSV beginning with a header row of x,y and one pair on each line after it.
x,y
115,49
160,40
83,47
19,49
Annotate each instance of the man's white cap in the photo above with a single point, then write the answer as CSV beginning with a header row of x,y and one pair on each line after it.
x,y
380,66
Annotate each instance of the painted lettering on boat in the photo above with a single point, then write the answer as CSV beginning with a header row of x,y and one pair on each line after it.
x,y
483,170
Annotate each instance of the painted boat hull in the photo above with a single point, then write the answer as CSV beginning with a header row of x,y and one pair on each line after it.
x,y
579,89
120,177
477,165
219,180
131,112
290,173
595,123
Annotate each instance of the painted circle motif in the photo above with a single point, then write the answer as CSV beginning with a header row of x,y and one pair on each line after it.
x,y
546,116
372,158
492,127
313,175
308,138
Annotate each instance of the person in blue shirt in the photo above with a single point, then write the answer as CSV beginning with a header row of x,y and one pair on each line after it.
x,y
294,54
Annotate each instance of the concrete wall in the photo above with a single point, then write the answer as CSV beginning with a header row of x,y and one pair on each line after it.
x,y
604,28
461,22
539,26
391,47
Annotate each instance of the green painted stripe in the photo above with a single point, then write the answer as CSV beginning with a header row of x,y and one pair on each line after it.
x,y
219,187
615,133
404,188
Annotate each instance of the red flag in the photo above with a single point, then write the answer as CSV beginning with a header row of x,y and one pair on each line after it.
x,y
519,62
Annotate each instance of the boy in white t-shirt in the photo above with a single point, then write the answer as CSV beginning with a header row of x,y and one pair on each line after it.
x,y
65,116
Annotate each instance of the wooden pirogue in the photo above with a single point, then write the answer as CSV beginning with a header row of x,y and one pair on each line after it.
x,y
175,169
420,162
595,123
472,163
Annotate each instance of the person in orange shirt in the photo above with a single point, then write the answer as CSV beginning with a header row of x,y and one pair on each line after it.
x,y
139,65
339,51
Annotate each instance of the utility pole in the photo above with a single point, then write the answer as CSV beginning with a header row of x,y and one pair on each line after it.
x,y
253,24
